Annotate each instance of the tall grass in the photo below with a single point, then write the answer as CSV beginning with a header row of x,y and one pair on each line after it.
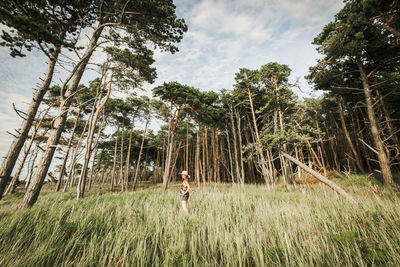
x,y
227,226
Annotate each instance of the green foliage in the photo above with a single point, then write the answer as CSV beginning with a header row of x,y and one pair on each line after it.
x,y
130,68
201,106
38,23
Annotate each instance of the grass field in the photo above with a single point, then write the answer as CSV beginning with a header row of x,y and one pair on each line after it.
x,y
227,226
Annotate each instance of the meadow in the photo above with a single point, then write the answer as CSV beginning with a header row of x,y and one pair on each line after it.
x,y
227,226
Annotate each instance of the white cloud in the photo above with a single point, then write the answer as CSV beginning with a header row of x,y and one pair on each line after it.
x,y
223,36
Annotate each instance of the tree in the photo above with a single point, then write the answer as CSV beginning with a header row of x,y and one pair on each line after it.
x,y
143,22
129,69
48,26
350,40
182,98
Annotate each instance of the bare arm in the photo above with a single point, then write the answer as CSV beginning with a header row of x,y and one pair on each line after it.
x,y
188,188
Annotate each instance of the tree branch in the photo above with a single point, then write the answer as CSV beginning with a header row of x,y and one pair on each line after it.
x,y
18,111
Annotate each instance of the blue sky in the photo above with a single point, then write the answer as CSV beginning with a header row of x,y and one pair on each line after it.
x,y
223,36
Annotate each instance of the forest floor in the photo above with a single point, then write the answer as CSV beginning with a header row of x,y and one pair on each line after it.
x,y
228,225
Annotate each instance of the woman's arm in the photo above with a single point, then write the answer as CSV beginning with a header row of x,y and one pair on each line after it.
x,y
187,189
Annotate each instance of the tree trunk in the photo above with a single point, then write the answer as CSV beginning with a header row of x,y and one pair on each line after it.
x,y
264,170
348,139
10,159
61,175
321,178
128,154
140,152
33,191
121,155
197,159
32,166
380,149
388,121
173,121
115,157
15,178
235,150
73,159
95,151
240,145
82,179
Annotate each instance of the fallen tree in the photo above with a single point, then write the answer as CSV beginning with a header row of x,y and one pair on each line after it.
x,y
321,178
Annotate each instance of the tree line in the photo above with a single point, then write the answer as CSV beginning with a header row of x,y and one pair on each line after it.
x,y
257,132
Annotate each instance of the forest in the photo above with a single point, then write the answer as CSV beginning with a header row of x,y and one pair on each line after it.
x,y
302,181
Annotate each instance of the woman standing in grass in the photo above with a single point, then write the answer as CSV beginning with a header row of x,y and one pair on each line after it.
x,y
185,188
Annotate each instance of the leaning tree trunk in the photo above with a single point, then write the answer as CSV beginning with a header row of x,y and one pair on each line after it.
x,y
347,135
380,147
89,149
34,188
31,166
73,159
95,151
61,175
15,178
320,177
10,159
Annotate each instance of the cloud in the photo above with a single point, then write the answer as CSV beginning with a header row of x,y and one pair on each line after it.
x,y
223,36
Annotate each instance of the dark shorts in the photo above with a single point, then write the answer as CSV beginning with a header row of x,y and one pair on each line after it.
x,y
185,196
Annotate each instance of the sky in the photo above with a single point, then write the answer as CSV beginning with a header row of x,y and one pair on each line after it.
x,y
223,36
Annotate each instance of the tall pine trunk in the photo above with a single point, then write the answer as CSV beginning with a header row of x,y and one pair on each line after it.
x,y
379,146
89,149
263,162
10,159
15,178
115,157
140,152
34,188
61,175
347,135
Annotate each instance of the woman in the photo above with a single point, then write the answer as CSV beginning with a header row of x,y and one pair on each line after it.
x,y
185,188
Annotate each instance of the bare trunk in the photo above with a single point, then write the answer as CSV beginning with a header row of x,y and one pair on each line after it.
x,y
10,159
121,160
32,166
128,155
115,158
73,159
173,121
240,145
264,170
348,139
15,178
197,159
140,152
232,169
380,149
34,188
320,177
61,175
235,151
95,150
82,179
389,124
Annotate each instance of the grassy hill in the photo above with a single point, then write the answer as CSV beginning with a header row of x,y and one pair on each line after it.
x,y
227,225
